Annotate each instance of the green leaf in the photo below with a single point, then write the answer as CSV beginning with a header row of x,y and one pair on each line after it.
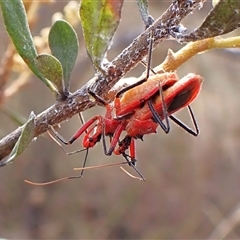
x,y
99,20
63,42
51,69
16,23
143,9
222,19
24,140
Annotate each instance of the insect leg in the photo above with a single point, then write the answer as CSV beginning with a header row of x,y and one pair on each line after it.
x,y
184,126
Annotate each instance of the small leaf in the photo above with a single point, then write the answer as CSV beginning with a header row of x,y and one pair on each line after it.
x,y
24,140
63,42
222,19
15,20
51,69
143,9
99,20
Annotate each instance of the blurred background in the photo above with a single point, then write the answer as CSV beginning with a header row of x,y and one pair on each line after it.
x,y
192,188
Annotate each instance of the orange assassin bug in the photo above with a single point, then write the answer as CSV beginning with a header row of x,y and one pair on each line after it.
x,y
138,109
176,94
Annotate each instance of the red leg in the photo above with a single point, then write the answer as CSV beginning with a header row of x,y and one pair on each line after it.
x,y
132,149
105,127
84,127
79,132
123,145
116,137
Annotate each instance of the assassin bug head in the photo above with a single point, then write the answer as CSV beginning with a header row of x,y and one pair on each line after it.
x,y
91,139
